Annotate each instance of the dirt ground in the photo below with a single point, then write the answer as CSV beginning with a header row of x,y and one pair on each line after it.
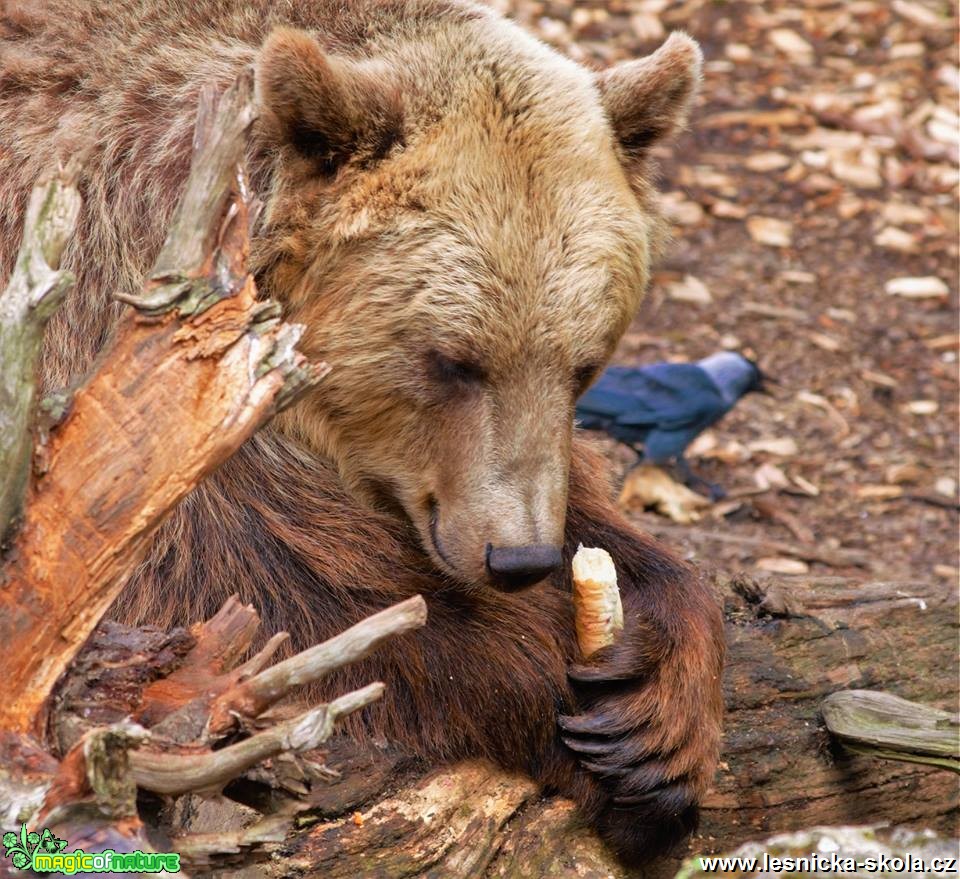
x,y
837,119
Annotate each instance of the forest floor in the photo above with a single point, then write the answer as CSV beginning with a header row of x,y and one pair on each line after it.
x,y
820,166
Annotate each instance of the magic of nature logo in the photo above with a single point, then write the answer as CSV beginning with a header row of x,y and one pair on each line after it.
x,y
44,853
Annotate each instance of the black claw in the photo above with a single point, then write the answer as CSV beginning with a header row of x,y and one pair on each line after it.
x,y
597,723
583,724
614,670
585,746
639,838
605,771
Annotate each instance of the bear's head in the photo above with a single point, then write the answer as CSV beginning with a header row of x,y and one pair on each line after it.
x,y
463,221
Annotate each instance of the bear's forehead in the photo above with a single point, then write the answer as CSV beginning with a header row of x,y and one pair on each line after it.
x,y
503,139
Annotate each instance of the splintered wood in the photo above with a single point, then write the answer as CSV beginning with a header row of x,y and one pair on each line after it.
x,y
192,371
596,600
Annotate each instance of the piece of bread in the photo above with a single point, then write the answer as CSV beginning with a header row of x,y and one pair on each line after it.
x,y
596,599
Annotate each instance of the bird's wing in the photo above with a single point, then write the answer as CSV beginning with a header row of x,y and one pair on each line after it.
x,y
661,446
668,396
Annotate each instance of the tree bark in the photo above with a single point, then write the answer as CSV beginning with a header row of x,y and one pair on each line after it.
x,y
790,645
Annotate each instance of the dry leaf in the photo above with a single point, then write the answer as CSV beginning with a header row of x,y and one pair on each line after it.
x,y
768,476
902,474
647,27
738,52
706,442
922,407
792,276
907,50
791,43
879,378
724,508
680,210
765,162
822,340
690,289
806,486
731,453
899,213
767,230
785,447
947,486
893,238
709,178
849,207
649,487
769,507
727,210
947,342
777,312
879,492
949,75
857,173
780,565
830,139
927,287
920,15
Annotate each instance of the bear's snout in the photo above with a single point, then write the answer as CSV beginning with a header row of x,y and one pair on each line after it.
x,y
516,567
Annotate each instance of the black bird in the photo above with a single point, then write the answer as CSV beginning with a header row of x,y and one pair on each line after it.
x,y
665,406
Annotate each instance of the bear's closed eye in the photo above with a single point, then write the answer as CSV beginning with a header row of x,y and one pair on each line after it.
x,y
450,371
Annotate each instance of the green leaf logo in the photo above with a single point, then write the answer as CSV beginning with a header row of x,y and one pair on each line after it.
x,y
21,848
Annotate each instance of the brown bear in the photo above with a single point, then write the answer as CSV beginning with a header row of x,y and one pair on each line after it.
x,y
464,221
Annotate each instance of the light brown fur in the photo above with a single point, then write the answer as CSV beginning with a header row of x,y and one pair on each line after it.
x,y
464,222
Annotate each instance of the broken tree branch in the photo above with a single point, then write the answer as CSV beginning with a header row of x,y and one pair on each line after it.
x,y
254,695
35,290
175,395
883,725
170,773
117,752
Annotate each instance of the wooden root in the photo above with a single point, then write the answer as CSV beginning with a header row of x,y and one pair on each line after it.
x,y
126,748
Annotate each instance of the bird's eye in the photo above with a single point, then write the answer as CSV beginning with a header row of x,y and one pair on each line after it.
x,y
451,371
583,377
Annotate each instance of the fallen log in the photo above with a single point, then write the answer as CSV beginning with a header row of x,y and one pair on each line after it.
x,y
374,813
790,643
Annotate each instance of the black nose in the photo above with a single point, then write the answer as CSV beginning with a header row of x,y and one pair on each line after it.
x,y
514,567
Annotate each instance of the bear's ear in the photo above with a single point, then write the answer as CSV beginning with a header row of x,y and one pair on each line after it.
x,y
326,107
648,99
